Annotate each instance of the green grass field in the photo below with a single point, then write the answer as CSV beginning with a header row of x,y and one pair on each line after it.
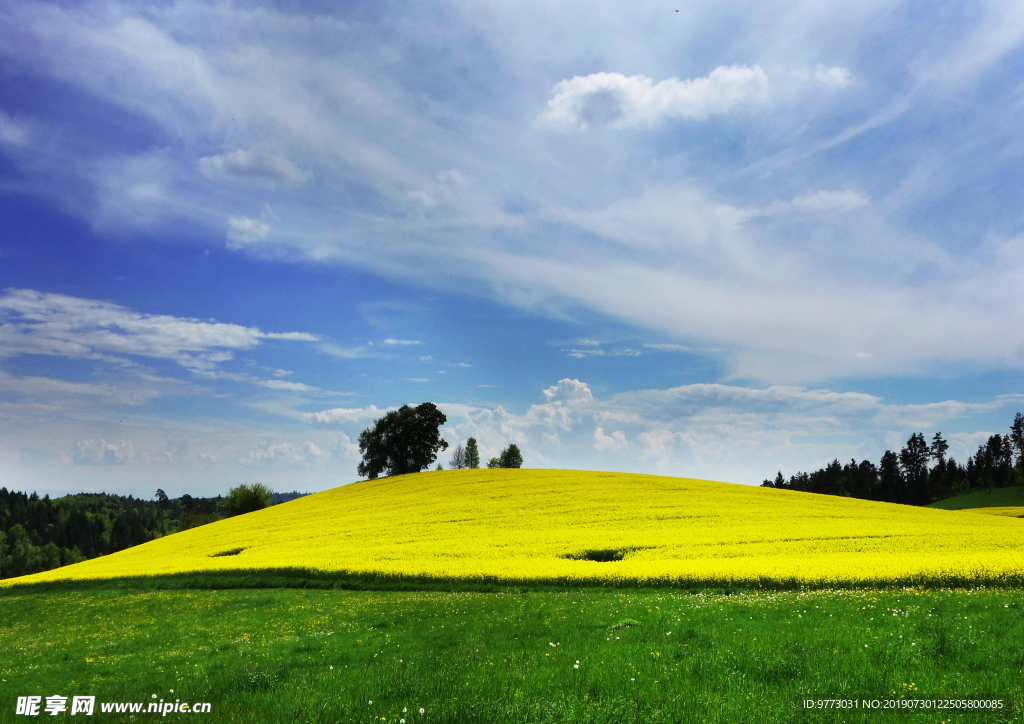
x,y
984,498
284,655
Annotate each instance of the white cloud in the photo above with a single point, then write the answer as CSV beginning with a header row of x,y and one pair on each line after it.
x,y
34,322
665,347
243,231
342,416
287,453
726,432
623,101
455,192
101,452
833,77
335,350
817,201
400,342
252,165
568,391
12,132
615,441
284,385
593,352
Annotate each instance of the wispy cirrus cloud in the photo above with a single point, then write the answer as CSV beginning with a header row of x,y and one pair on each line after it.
x,y
478,202
252,165
33,322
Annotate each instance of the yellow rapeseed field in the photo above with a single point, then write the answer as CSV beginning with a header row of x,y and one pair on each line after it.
x,y
540,526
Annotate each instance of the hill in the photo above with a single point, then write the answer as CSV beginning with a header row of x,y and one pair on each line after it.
x,y
1007,502
581,528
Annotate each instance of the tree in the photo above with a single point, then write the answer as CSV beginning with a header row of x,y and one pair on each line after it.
x,y
914,465
939,448
472,454
248,498
890,479
458,459
1017,438
403,441
162,498
510,458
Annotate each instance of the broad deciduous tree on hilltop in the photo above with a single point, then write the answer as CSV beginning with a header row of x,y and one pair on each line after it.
x,y
248,498
405,440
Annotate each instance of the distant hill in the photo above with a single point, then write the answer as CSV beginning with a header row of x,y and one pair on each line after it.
x,y
563,528
994,501
285,497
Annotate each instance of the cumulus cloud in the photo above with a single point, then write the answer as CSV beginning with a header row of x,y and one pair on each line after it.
x,y
252,165
568,391
34,322
243,231
101,452
615,441
714,430
621,101
718,431
287,453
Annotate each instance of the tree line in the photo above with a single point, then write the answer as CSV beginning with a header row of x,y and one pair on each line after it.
x,y
38,534
920,473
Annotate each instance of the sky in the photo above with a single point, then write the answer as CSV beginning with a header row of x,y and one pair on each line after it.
x,y
702,239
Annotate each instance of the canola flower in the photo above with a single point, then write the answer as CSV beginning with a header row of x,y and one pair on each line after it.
x,y
585,528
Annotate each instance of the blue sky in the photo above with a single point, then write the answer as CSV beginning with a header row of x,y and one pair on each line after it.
x,y
717,242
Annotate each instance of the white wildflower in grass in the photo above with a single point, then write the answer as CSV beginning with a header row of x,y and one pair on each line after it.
x,y
422,711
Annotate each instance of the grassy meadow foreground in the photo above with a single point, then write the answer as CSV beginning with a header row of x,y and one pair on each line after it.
x,y
584,655
570,528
